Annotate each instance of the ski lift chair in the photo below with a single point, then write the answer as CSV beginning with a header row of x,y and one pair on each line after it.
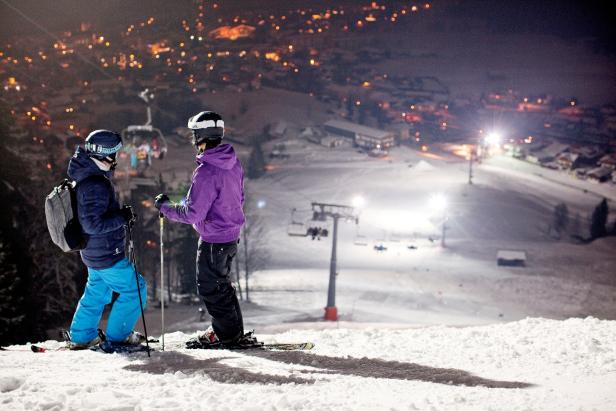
x,y
297,229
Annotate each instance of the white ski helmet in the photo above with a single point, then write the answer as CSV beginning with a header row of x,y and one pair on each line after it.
x,y
207,125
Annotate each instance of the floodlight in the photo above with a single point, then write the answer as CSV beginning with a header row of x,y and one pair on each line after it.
x,y
358,201
494,138
438,202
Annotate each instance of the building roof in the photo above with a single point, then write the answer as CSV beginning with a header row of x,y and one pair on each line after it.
x,y
599,172
568,156
358,128
555,149
608,160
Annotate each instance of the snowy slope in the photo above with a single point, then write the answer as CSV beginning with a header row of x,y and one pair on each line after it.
x,y
459,285
529,364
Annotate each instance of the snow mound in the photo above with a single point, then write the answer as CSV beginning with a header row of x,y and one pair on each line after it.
x,y
423,166
10,383
530,364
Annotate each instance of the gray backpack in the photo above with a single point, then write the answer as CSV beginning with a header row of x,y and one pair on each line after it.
x,y
62,221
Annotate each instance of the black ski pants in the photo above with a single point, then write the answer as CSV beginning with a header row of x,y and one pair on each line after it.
x,y
215,287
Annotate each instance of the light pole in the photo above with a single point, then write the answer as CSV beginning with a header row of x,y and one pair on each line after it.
x,y
331,312
470,166
321,211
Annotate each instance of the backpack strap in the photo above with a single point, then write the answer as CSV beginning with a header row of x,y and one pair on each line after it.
x,y
66,183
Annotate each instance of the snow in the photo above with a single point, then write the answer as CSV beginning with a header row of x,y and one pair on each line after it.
x,y
423,166
416,321
529,364
509,207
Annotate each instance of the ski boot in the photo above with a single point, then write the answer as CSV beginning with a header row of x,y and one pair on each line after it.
x,y
134,338
209,337
248,340
74,346
131,344
207,340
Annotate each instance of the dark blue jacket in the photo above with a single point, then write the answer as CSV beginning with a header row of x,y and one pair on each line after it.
x,y
98,211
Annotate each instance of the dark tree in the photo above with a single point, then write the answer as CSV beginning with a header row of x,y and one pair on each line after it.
x,y
253,254
350,107
14,270
599,220
243,107
40,284
561,218
13,284
256,161
185,255
362,114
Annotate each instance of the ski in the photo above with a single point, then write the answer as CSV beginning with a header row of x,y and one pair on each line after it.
x,y
118,348
104,347
195,344
304,346
192,344
41,349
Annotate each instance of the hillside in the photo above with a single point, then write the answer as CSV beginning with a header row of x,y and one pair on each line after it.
x,y
529,364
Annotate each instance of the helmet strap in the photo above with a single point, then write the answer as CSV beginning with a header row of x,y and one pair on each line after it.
x,y
103,165
108,163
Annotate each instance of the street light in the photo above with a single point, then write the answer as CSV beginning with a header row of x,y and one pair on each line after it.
x,y
494,139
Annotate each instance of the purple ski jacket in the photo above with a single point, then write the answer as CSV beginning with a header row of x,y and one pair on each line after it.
x,y
214,201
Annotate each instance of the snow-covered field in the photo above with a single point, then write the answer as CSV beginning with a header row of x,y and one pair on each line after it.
x,y
421,326
509,206
533,364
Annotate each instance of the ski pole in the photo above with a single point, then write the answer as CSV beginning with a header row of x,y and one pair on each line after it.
x,y
162,283
133,260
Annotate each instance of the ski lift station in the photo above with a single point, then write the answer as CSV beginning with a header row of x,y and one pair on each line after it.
x,y
365,137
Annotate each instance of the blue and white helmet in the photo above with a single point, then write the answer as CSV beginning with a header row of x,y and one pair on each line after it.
x,y
207,125
103,143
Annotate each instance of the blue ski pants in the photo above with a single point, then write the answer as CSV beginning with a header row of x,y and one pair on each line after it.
x,y
125,311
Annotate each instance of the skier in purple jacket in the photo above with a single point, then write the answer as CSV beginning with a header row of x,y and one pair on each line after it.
x,y
213,206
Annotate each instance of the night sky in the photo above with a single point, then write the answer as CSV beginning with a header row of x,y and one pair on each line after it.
x,y
590,20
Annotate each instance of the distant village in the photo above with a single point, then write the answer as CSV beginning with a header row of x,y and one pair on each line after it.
x,y
61,91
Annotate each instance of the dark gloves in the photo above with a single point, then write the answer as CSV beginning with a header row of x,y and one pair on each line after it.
x,y
160,199
127,214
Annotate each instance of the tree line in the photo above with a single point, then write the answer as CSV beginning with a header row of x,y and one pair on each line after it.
x,y
39,285
597,224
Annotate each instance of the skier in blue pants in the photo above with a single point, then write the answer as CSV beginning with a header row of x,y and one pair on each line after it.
x,y
103,222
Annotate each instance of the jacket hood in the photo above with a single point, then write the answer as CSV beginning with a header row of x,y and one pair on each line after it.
x,y
81,167
222,156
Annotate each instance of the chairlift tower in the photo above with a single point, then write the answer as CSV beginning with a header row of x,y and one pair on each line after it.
x,y
322,211
147,96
